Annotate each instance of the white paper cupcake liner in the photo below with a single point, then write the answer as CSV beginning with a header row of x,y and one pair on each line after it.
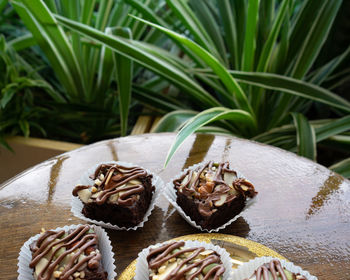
x,y
246,270
142,272
104,245
170,194
77,205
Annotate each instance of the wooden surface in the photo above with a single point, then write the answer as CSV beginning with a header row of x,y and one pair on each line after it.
x,y
302,211
29,151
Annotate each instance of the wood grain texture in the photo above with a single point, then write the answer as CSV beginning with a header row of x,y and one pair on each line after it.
x,y
302,211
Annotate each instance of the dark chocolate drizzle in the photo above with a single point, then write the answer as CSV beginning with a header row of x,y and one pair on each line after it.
x,y
158,256
276,269
116,176
77,242
209,192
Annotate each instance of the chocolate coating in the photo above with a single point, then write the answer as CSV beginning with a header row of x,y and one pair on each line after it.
x,y
120,195
115,180
212,194
172,261
275,270
60,254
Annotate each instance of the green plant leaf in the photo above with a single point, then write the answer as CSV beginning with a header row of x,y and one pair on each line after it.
x,y
240,117
51,38
302,24
147,12
24,125
230,29
211,26
6,96
342,168
189,19
215,130
3,5
156,100
326,70
2,43
161,67
124,67
332,128
22,42
5,144
105,7
173,121
292,86
87,11
306,139
105,69
235,92
271,40
250,35
315,39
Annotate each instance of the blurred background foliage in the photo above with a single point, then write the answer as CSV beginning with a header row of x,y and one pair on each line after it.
x,y
275,71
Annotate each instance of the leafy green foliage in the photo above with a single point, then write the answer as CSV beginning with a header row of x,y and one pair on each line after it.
x,y
93,79
243,67
276,86
269,30
23,94
306,139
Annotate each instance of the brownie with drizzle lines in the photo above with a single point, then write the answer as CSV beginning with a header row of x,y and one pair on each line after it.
x,y
274,270
174,261
212,194
120,195
70,255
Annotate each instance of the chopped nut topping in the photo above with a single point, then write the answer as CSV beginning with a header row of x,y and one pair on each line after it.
x,y
57,274
93,189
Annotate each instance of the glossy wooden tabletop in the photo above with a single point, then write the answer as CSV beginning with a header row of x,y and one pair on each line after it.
x,y
302,211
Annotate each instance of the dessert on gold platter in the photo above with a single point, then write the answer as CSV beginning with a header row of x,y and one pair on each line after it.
x,y
174,261
274,271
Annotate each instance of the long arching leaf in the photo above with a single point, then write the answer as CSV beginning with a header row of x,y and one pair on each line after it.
x,y
306,139
215,114
235,92
342,167
174,120
250,36
155,64
293,86
332,128
51,38
124,71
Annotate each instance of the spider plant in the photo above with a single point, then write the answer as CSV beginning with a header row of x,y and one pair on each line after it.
x,y
249,67
24,95
94,82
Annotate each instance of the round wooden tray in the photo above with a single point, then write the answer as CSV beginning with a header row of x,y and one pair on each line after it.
x,y
240,249
302,209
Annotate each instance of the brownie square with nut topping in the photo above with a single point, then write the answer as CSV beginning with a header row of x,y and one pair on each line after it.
x,y
67,255
212,194
120,195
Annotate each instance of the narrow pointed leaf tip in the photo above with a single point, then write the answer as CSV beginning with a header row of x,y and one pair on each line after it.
x,y
214,114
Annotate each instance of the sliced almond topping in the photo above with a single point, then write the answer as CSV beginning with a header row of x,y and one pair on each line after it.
x,y
221,201
206,252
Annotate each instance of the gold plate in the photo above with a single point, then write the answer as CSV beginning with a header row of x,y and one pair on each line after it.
x,y
240,249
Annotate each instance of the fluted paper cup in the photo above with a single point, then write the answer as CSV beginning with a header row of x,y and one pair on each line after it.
x,y
104,246
246,270
170,194
142,272
77,205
